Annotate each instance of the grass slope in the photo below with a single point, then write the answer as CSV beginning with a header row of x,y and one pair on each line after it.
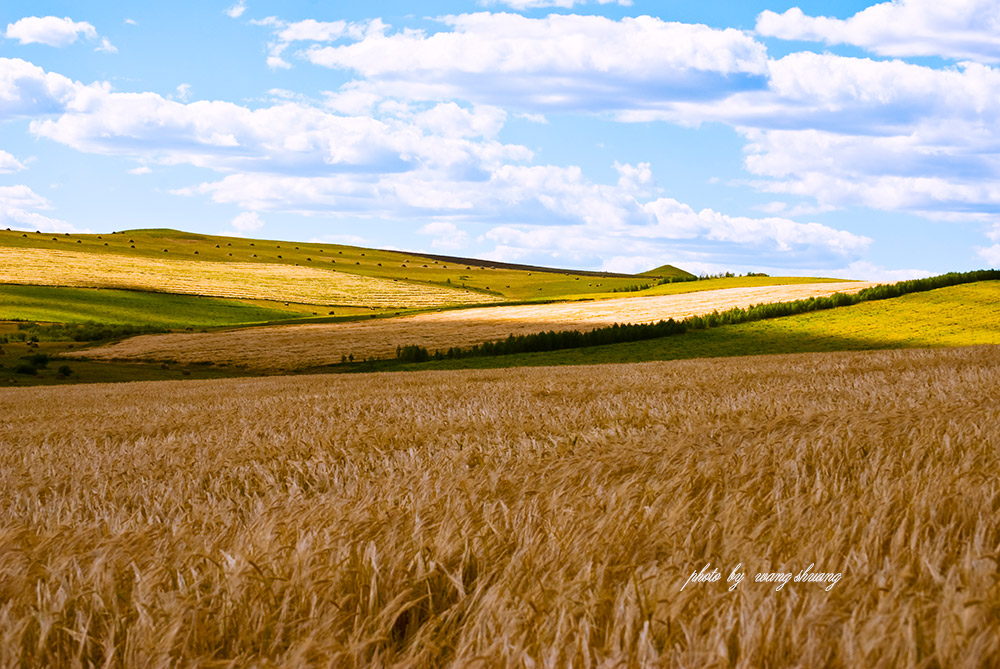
x,y
295,347
129,307
955,316
239,280
510,284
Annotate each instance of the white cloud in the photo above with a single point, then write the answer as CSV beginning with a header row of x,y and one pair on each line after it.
x,y
961,30
994,232
842,131
10,164
440,162
562,215
448,236
288,138
991,255
450,120
354,98
563,4
883,134
26,90
864,270
310,30
247,221
131,22
533,118
184,92
236,11
558,62
350,240
49,30
144,169
106,46
19,207
631,264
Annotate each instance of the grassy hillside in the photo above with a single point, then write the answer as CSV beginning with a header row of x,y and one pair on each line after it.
x,y
130,307
299,346
266,281
477,276
955,316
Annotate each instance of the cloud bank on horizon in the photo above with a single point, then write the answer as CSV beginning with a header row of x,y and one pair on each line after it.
x,y
528,130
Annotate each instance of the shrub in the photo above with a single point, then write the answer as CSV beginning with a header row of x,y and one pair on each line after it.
x,y
26,369
39,360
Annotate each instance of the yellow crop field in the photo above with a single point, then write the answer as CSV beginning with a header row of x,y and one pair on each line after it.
x,y
511,518
261,281
288,347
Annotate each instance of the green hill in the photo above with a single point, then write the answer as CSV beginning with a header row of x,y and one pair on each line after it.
x,y
495,280
668,272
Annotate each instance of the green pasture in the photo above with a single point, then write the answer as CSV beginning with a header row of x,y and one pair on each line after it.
x,y
52,304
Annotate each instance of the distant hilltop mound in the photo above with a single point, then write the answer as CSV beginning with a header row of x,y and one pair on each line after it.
x,y
668,271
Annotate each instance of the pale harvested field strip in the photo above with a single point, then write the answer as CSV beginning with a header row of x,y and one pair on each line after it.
x,y
543,517
286,347
260,281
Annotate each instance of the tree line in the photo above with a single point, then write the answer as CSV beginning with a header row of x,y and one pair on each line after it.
x,y
629,332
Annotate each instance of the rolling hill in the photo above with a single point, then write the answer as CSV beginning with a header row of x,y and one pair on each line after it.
x,y
174,261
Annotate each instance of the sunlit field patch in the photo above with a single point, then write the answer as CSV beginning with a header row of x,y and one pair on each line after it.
x,y
263,281
288,347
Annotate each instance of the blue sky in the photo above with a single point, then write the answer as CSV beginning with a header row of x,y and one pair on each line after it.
x,y
815,138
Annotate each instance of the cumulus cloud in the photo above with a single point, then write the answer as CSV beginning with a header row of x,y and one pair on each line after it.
x,y
236,11
965,30
10,164
412,160
55,31
27,90
588,63
248,221
991,255
562,4
288,138
843,131
851,131
309,30
106,46
19,207
563,216
447,236
599,217
49,30
994,232
450,120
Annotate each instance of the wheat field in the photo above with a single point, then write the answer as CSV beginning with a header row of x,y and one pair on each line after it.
x,y
297,346
542,517
245,280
